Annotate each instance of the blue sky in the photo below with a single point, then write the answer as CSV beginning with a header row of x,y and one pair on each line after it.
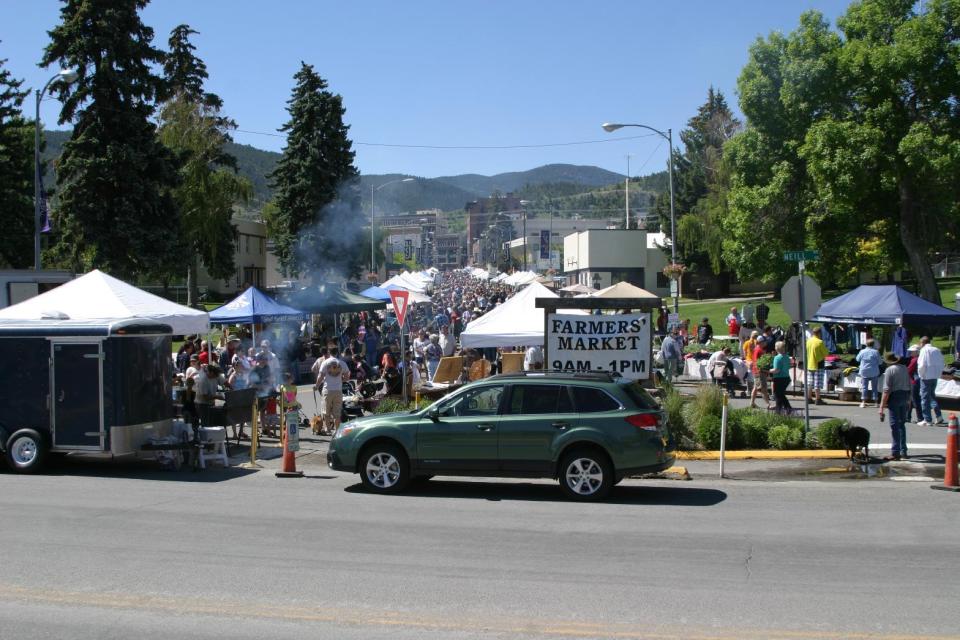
x,y
449,73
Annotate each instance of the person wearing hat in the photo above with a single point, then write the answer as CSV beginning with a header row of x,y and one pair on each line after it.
x,y
896,396
229,350
194,368
869,359
929,367
913,353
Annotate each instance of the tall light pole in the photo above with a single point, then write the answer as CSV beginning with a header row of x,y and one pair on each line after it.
x,y
668,136
373,211
626,199
68,76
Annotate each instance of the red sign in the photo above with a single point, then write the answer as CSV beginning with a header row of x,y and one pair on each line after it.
x,y
399,297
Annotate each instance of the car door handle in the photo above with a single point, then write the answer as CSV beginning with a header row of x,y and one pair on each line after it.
x,y
561,425
485,427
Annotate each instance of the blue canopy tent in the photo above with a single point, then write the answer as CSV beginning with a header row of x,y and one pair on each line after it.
x,y
253,307
885,304
376,293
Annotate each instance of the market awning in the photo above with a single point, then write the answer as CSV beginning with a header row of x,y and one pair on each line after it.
x,y
253,307
330,298
884,304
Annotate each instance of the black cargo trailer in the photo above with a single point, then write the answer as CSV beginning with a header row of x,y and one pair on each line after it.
x,y
95,386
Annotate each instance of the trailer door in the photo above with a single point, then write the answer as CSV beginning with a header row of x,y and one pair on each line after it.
x,y
76,397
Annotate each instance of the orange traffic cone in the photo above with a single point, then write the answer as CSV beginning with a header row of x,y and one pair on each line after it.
x,y
288,466
950,480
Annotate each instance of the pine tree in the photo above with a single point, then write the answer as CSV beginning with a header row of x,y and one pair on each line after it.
x,y
315,221
192,126
116,211
16,174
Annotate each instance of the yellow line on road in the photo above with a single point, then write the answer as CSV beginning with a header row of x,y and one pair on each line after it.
x,y
358,617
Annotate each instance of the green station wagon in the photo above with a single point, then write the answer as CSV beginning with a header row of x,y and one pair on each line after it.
x,y
588,430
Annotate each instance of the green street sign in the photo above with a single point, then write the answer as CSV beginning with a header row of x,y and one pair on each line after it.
x,y
801,256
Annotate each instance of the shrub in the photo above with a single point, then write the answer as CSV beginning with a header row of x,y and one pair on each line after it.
x,y
755,427
708,432
707,401
673,404
783,436
736,418
393,405
828,433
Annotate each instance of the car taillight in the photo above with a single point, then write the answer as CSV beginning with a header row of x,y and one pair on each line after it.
x,y
645,421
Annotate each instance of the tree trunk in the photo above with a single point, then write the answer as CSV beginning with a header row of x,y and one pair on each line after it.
x,y
193,291
911,238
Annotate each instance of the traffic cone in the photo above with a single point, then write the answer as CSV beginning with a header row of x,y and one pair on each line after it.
x,y
950,480
288,466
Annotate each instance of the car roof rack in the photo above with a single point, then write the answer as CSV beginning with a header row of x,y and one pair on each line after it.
x,y
603,376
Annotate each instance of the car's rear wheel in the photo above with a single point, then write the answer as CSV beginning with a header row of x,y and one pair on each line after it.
x,y
384,468
586,475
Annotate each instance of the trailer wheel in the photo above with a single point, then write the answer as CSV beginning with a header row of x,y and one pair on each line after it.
x,y
26,451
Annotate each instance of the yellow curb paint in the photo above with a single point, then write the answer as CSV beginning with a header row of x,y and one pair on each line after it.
x,y
680,472
762,454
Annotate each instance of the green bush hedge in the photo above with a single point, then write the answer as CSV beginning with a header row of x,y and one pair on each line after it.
x,y
828,433
673,404
785,436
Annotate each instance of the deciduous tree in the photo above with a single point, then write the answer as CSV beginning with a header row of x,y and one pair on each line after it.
x,y
16,174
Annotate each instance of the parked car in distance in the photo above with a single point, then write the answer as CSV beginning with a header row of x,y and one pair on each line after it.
x,y
588,430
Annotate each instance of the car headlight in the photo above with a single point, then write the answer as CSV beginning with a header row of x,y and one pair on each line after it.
x,y
345,429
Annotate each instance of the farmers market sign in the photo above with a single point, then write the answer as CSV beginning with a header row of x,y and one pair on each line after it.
x,y
619,343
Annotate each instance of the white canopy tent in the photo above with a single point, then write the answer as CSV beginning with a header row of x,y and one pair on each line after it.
x,y
517,322
520,278
98,296
404,281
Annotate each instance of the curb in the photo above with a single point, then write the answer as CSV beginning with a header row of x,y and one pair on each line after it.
x,y
763,454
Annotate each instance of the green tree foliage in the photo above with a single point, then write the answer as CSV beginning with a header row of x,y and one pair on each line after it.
x,y
206,193
700,184
16,174
115,209
192,126
852,142
316,221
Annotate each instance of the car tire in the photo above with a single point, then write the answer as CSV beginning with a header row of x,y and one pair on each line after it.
x,y
384,468
26,451
586,475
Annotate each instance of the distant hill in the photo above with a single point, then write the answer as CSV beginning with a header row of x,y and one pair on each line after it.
x,y
448,193
484,186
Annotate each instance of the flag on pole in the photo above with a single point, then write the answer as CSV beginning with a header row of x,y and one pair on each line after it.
x,y
44,212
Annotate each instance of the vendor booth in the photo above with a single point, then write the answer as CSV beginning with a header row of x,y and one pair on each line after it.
x,y
330,298
96,386
98,296
253,307
517,322
888,305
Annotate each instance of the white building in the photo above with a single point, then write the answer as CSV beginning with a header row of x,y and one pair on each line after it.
x,y
249,259
602,257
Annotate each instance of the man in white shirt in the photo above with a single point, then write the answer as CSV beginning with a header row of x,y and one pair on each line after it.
x,y
272,361
929,367
333,373
533,358
419,344
447,343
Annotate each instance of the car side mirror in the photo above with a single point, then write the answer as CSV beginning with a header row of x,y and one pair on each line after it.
x,y
434,415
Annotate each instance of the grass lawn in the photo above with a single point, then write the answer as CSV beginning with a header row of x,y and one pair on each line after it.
x,y
716,311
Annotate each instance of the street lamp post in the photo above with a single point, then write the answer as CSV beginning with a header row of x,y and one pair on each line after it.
x,y
373,191
668,136
69,76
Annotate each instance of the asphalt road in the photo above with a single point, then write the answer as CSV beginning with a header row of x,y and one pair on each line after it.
x,y
122,551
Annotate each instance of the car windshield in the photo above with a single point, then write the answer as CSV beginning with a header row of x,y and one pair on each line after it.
x,y
640,396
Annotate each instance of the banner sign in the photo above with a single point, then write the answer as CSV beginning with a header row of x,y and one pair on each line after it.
x,y
618,343
545,244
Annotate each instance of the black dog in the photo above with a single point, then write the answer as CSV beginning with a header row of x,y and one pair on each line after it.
x,y
857,441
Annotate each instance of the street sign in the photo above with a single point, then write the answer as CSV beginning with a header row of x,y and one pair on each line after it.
x,y
790,295
801,256
399,298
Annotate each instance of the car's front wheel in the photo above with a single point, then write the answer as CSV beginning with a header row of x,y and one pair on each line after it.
x,y
586,475
384,468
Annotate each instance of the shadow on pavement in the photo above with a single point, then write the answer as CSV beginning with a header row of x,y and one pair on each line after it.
x,y
79,465
497,491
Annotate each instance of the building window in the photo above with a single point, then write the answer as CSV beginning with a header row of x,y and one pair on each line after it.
x,y
246,244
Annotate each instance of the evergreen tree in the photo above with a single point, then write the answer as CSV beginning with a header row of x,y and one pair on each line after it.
x,y
315,223
16,174
192,126
116,211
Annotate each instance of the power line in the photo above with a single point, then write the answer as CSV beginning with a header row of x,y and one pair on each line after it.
x,y
468,147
